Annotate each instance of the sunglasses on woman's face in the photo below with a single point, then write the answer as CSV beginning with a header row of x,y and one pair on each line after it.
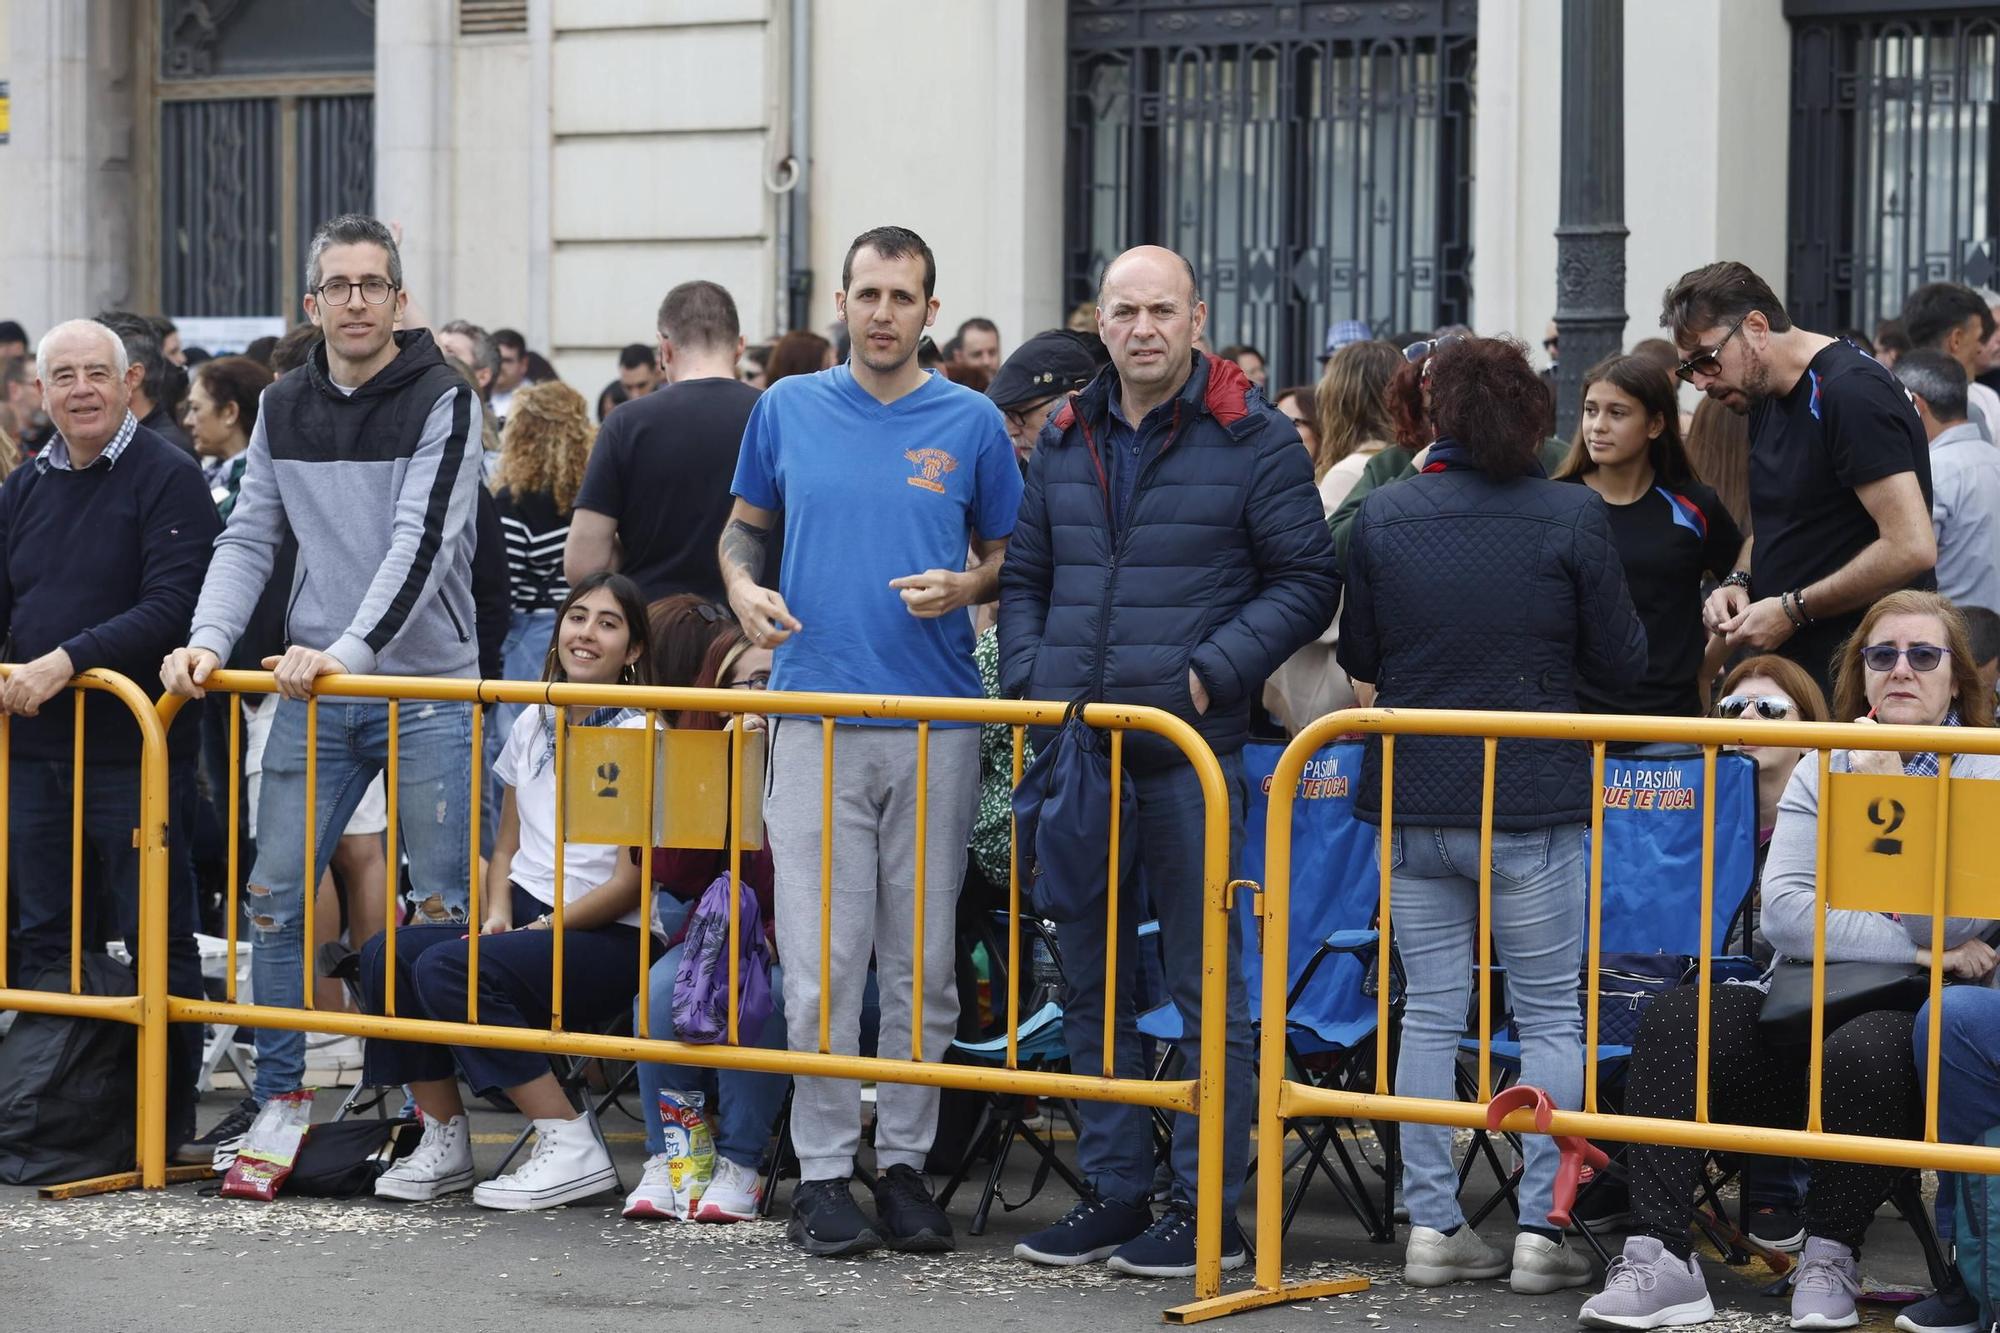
x,y
1771,708
1923,656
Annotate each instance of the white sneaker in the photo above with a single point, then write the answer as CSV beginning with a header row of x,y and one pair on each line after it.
x,y
1434,1258
569,1162
649,1200
441,1164
733,1193
1542,1266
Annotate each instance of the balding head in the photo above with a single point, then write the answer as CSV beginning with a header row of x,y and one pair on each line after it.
x,y
1153,259
68,335
1149,313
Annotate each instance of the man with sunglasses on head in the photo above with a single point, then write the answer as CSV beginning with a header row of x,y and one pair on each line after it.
x,y
1840,477
369,457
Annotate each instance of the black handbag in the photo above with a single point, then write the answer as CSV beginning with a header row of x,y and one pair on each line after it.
x,y
1852,989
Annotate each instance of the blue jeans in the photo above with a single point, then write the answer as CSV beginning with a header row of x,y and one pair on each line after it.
x,y
1115,1143
1969,1075
1539,889
39,858
524,654
434,810
741,1107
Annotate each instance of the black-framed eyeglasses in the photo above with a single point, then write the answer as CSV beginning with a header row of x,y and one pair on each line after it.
x,y
756,680
1923,656
1017,417
1430,347
1708,361
1770,707
711,613
339,291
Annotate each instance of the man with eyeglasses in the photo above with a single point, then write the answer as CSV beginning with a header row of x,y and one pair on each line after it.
x,y
1840,476
370,458
1035,381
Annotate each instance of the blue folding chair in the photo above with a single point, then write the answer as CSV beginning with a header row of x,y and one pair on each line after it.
x,y
1651,914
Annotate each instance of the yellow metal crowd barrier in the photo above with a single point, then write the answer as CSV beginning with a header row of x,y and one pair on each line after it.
x,y
688,776
1940,864
146,1010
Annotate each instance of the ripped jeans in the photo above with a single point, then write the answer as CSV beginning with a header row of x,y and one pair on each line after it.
x,y
433,818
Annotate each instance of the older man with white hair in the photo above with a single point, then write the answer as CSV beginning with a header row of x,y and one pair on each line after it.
x,y
105,537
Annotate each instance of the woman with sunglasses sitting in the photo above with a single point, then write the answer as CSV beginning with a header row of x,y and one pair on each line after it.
x,y
1908,664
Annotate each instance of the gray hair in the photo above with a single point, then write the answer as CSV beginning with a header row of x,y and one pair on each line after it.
x,y
119,361
352,229
485,352
1937,379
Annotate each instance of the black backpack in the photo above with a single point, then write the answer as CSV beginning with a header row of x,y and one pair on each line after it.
x,y
68,1086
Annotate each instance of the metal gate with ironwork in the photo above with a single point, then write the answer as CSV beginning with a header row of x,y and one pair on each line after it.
x,y
1313,160
265,123
1895,155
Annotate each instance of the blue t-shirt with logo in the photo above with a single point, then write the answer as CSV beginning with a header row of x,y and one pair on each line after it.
x,y
871,492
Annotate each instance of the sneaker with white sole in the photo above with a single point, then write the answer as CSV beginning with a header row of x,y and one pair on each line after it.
x,y
1432,1258
569,1162
1650,1287
1542,1266
1827,1287
651,1199
440,1165
1952,1309
733,1193
217,1148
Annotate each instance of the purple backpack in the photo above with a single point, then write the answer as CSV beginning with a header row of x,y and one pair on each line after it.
x,y
701,984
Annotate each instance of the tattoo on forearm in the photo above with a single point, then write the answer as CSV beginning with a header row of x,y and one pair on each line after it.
x,y
744,546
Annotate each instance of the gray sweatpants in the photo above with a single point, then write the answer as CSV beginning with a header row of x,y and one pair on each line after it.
x,y
874,899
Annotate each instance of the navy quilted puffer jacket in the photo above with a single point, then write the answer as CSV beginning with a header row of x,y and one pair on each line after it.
x,y
1463,592
1225,566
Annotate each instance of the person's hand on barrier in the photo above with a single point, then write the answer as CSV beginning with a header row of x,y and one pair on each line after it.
x,y
1197,692
934,593
1762,625
1882,763
186,670
1972,960
762,613
300,667
33,684
1723,605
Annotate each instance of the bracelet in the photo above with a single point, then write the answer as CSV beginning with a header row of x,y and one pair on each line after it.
x,y
1799,600
1785,602
1737,578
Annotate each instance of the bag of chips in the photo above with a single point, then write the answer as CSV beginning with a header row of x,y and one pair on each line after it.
x,y
690,1150
270,1148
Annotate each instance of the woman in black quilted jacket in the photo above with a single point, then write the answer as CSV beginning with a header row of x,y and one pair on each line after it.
x,y
1479,584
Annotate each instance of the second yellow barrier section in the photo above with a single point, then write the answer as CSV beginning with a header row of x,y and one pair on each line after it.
x,y
670,816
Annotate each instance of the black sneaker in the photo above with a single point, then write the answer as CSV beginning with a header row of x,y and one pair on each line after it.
x,y
911,1219
1952,1310
1091,1231
218,1147
1167,1247
826,1221
1777,1229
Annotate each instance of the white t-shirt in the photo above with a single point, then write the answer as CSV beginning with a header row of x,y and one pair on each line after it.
x,y
1988,403
526,765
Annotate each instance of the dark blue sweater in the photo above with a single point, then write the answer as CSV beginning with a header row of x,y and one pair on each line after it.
x,y
105,564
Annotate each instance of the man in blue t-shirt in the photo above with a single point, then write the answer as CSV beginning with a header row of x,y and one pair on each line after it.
x,y
886,475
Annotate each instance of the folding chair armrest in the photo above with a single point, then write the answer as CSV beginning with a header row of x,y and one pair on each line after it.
x,y
1358,943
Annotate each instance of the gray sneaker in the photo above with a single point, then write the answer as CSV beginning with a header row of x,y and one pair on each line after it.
x,y
1647,1287
1829,1282
1432,1258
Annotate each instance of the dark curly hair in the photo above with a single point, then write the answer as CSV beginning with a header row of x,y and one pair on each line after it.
x,y
1485,395
1405,400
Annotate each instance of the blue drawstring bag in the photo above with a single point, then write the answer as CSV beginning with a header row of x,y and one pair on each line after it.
x,y
1062,820
701,983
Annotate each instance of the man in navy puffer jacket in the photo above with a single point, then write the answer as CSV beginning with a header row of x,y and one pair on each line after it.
x,y
1171,550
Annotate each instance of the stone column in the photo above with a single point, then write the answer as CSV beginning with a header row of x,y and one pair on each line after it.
x,y
1590,230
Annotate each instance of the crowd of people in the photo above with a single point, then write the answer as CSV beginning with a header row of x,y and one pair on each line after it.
x,y
1111,511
